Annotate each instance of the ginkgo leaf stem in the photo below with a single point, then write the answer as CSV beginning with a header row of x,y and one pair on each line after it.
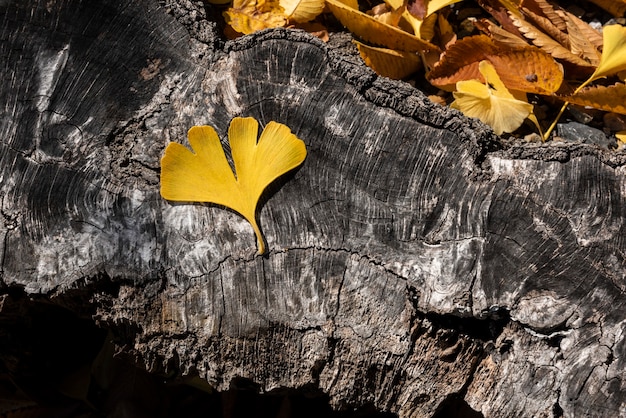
x,y
546,135
259,237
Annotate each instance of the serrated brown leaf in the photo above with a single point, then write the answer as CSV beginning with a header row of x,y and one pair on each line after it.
x,y
501,36
525,69
501,14
609,98
389,63
580,44
369,29
546,25
547,10
616,7
592,35
546,43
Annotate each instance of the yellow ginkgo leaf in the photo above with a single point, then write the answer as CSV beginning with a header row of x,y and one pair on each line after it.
x,y
204,175
613,58
491,102
301,11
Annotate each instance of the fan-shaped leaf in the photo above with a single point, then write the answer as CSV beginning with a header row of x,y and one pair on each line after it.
x,y
491,102
613,53
204,175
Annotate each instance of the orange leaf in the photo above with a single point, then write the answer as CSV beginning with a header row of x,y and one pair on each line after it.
x,y
389,63
611,98
525,69
369,29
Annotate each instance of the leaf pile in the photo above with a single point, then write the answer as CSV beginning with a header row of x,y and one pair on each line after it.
x,y
512,49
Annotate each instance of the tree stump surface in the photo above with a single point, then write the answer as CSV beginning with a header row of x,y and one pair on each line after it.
x,y
413,258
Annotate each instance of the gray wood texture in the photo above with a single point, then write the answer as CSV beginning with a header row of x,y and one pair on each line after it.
x,y
413,258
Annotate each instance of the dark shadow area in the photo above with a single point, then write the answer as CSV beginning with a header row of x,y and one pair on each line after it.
x,y
487,329
455,407
54,363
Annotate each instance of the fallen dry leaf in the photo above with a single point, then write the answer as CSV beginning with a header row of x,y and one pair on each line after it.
x,y
613,58
610,98
248,16
389,63
526,69
204,175
301,11
490,101
378,33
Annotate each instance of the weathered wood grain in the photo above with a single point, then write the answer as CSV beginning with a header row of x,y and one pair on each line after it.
x,y
413,258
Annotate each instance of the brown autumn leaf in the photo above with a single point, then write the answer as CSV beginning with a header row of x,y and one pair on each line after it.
x,y
499,35
580,44
609,98
501,14
592,35
389,63
616,7
371,30
546,43
547,26
526,69
547,10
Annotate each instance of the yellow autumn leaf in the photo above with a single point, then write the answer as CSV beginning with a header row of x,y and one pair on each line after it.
x,y
301,11
613,59
204,175
248,16
491,102
371,30
621,138
389,63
